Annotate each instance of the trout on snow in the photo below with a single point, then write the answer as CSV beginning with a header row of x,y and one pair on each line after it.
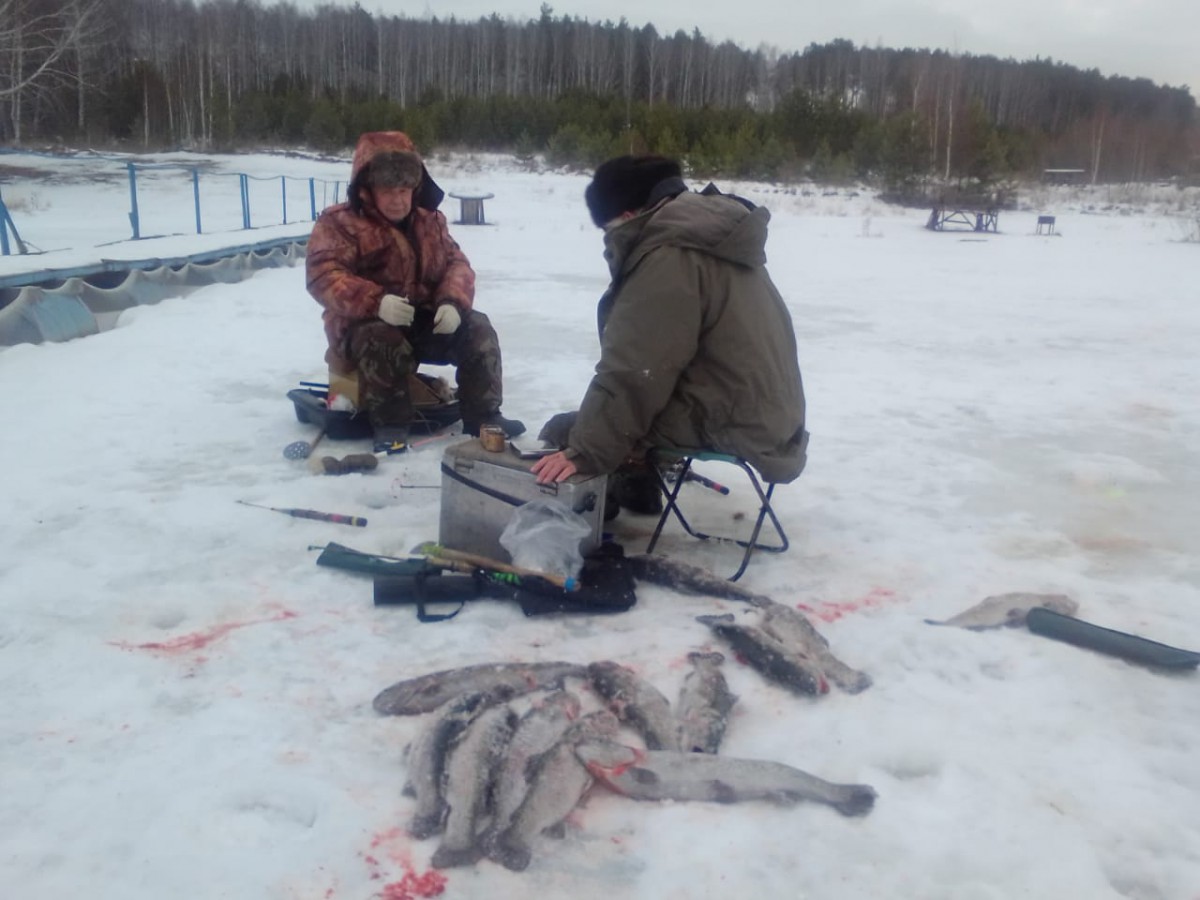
x,y
771,658
1008,610
704,704
469,777
427,692
536,732
430,752
792,629
636,702
661,775
788,625
557,782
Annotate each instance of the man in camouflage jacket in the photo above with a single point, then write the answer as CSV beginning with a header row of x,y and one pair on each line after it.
x,y
398,291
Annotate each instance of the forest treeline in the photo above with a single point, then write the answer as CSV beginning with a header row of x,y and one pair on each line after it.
x,y
229,74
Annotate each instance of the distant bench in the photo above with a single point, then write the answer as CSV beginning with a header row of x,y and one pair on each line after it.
x,y
975,219
471,208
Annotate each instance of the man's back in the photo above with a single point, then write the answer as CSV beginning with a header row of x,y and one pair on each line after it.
x,y
697,335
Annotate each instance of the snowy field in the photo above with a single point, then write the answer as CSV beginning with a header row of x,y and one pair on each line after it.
x,y
188,696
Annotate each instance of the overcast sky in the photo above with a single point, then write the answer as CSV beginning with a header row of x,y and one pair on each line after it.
x,y
1155,39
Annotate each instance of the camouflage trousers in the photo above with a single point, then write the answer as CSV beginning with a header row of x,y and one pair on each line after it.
x,y
386,355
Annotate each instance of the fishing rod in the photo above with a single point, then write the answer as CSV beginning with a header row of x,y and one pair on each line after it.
x,y
707,482
357,521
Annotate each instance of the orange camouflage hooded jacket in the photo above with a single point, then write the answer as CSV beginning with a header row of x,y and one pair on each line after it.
x,y
355,255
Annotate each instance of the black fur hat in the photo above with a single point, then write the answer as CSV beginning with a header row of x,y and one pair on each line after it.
x,y
626,184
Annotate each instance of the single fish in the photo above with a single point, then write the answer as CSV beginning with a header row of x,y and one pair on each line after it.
x,y
690,579
1008,610
636,702
771,658
704,704
662,775
427,692
428,756
557,782
469,776
793,629
536,732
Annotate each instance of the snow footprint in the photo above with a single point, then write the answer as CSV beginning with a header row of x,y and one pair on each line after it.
x,y
258,815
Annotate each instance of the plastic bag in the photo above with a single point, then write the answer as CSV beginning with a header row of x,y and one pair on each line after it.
x,y
544,535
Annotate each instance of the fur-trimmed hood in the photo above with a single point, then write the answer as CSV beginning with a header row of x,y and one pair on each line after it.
x,y
371,144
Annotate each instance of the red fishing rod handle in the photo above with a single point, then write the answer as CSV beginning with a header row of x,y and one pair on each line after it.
x,y
357,521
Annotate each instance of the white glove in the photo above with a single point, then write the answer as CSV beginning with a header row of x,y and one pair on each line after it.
x,y
446,320
396,310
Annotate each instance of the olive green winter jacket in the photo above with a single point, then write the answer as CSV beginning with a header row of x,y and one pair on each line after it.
x,y
697,347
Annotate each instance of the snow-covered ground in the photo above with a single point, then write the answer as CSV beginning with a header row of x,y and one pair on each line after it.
x,y
188,696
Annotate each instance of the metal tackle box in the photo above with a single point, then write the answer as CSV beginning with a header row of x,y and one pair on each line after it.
x,y
481,489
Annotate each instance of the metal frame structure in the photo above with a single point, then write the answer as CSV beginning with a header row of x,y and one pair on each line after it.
x,y
766,513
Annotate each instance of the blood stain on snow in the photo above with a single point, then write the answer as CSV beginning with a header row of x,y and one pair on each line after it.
x,y
197,640
831,611
413,886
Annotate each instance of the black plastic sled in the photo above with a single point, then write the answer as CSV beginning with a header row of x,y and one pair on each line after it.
x,y
309,403
1105,640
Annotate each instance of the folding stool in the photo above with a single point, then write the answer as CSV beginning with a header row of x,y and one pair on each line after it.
x,y
685,458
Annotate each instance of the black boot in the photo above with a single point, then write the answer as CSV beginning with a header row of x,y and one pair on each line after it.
x,y
355,462
612,508
636,489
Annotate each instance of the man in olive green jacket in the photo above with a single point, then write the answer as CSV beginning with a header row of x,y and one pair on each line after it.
x,y
697,346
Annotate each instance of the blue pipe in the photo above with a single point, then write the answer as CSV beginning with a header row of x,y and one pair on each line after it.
x,y
245,184
133,212
196,194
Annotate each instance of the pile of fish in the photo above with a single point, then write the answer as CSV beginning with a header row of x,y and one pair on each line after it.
x,y
511,749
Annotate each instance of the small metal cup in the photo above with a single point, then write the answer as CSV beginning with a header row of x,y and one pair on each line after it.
x,y
492,438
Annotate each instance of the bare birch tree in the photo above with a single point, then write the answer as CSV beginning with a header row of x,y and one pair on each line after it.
x,y
39,39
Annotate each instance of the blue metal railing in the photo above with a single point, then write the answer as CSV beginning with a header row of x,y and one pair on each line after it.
x,y
6,225
10,237
243,191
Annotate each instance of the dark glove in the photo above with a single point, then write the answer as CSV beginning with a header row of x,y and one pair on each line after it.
x,y
557,428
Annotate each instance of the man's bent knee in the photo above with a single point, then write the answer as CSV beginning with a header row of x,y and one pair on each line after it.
x,y
381,352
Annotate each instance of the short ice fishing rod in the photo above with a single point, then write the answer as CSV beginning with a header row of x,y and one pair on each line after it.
x,y
358,521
